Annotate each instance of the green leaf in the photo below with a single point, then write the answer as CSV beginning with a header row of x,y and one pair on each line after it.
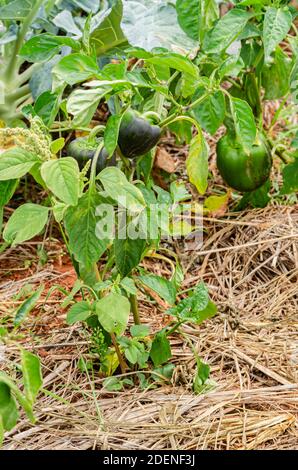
x,y
106,30
23,401
244,121
112,132
76,68
47,106
213,204
57,145
161,349
277,23
82,104
27,221
31,375
113,384
164,288
158,24
80,311
276,77
232,66
139,331
7,189
163,373
290,178
44,46
129,286
131,353
128,254
64,20
197,162
226,31
210,113
208,312
176,62
113,313
16,9
27,306
258,198
196,307
15,163
202,375
80,223
182,130
8,408
190,17
62,177
120,190
179,192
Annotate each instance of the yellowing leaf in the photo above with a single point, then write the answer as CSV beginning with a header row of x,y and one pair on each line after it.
x,y
197,162
216,205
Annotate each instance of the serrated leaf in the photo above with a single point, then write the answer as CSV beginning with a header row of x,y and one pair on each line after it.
x,y
161,349
62,177
27,221
15,163
139,331
121,190
7,188
128,254
47,107
80,311
80,223
129,286
196,307
113,313
164,288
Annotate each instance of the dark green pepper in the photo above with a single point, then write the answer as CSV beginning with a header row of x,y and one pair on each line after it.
x,y
136,135
243,171
82,151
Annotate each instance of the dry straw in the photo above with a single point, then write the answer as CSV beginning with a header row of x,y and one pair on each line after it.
x,y
250,263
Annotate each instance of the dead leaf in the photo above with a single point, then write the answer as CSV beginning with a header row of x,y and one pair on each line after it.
x,y
216,206
164,161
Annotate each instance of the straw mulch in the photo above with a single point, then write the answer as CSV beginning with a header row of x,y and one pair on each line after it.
x,y
250,263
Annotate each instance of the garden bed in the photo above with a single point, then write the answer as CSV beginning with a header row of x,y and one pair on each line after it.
x,y
250,263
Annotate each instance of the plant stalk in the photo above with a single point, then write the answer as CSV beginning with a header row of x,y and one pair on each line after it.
x,y
123,365
12,64
135,309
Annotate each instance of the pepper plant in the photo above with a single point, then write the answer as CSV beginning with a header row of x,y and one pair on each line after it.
x,y
153,66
